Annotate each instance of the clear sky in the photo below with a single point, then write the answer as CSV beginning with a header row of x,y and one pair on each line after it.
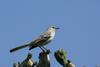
x,y
21,21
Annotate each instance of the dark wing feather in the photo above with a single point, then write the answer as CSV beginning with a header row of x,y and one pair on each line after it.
x,y
39,41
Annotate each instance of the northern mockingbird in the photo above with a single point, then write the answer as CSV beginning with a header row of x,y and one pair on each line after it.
x,y
42,40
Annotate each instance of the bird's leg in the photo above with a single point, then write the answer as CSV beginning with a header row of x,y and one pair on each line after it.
x,y
47,50
42,48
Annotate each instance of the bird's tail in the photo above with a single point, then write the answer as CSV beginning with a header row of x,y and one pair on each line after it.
x,y
19,47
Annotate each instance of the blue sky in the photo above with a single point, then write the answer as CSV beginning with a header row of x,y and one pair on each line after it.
x,y
21,21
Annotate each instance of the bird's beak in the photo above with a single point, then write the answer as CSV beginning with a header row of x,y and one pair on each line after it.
x,y
57,28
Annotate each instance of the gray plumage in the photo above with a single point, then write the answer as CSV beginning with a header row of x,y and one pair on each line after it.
x,y
42,40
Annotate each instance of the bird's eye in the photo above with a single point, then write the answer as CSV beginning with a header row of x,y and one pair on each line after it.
x,y
53,27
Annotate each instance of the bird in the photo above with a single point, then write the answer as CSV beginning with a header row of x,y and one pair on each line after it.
x,y
42,40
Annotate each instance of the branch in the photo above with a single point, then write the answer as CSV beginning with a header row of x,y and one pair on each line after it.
x,y
44,59
60,56
28,62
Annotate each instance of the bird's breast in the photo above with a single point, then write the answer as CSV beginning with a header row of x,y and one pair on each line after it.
x,y
52,35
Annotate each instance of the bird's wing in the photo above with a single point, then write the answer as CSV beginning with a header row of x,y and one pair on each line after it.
x,y
41,39
38,41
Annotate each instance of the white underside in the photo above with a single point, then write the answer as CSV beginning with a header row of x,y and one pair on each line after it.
x,y
50,39
52,35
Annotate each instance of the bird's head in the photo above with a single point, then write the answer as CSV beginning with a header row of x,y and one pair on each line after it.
x,y
53,28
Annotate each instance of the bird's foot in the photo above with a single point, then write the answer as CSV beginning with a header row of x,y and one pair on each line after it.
x,y
48,51
45,50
